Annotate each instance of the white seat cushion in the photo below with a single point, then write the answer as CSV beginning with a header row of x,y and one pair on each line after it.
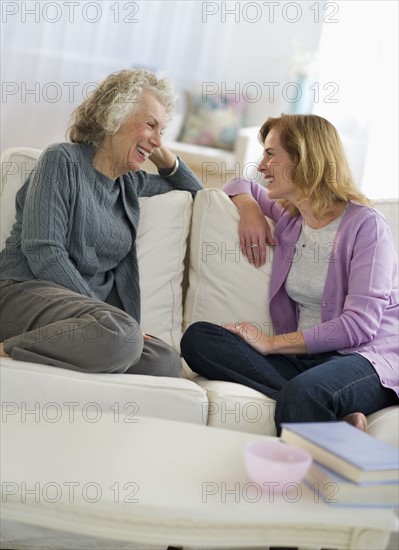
x,y
52,393
236,407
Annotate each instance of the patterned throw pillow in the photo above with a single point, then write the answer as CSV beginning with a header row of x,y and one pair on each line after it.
x,y
212,121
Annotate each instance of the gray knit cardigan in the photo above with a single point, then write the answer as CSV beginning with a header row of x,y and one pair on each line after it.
x,y
77,228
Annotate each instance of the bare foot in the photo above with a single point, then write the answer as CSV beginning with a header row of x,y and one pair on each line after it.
x,y
356,419
2,352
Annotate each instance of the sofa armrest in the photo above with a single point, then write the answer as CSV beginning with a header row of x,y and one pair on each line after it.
x,y
215,166
16,165
248,151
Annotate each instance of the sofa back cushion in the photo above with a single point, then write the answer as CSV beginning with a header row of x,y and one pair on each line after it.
x,y
162,243
223,285
161,240
389,209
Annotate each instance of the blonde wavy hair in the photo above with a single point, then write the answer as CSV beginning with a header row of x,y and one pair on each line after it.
x,y
113,101
320,169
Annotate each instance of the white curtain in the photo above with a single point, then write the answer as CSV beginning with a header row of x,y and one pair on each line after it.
x,y
359,60
53,52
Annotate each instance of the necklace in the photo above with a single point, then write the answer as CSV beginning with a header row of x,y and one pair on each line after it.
x,y
307,233
315,233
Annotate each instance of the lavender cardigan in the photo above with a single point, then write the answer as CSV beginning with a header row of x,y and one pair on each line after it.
x,y
359,307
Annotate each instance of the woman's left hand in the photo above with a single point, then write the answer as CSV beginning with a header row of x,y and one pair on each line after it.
x,y
163,158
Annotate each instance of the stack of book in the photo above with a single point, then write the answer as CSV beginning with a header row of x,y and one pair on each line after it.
x,y
350,467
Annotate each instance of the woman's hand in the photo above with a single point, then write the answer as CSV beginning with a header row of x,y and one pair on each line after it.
x,y
2,352
163,158
254,231
287,344
252,335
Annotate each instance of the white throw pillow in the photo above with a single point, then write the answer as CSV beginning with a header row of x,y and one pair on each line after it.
x,y
223,285
162,242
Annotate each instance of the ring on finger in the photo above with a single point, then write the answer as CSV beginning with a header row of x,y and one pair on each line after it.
x,y
253,246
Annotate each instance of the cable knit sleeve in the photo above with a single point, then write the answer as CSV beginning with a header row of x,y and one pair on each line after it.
x,y
153,184
46,219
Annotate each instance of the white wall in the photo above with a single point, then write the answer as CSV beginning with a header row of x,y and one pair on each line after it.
x,y
52,53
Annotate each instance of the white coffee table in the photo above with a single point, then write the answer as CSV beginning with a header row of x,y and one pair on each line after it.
x,y
161,482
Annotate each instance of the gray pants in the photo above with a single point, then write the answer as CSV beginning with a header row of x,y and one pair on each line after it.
x,y
45,323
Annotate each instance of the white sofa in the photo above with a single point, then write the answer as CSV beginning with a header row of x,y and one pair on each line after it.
x,y
191,269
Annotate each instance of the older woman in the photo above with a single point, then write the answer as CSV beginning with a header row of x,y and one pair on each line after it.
x,y
70,293
333,289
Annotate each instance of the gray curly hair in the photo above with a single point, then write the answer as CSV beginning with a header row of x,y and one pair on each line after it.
x,y
113,101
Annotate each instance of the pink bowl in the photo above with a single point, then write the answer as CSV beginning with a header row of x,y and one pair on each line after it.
x,y
269,462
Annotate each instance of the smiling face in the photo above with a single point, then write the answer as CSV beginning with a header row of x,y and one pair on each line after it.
x,y
276,166
135,140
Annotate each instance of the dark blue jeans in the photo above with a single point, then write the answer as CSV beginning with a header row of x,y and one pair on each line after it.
x,y
307,388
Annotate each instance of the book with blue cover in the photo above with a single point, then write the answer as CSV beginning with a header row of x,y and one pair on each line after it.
x,y
337,490
345,449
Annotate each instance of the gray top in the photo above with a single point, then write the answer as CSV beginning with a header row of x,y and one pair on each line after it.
x,y
308,273
77,228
